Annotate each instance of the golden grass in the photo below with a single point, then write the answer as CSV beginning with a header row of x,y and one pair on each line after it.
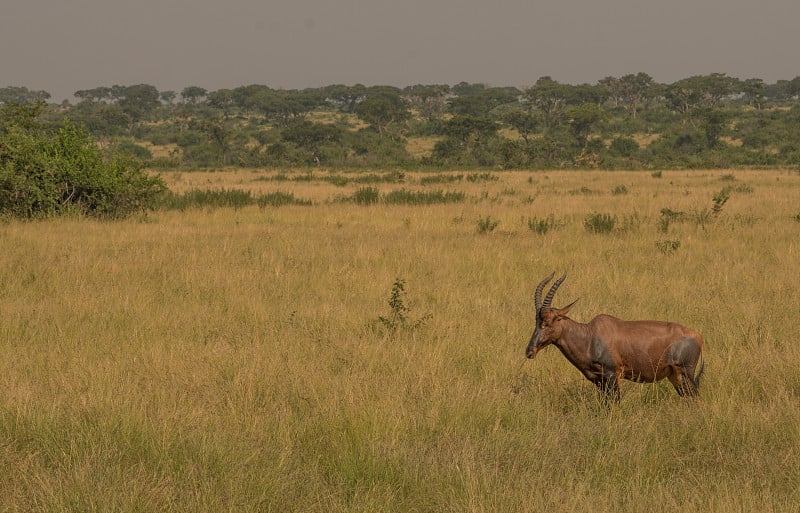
x,y
233,360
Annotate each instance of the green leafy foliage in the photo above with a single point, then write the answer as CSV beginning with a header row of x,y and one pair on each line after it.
x,y
399,315
544,225
45,173
600,223
668,247
487,224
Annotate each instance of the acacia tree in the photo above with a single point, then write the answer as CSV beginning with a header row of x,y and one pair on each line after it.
x,y
633,90
754,91
193,94
382,107
12,94
522,120
550,97
311,137
582,119
429,100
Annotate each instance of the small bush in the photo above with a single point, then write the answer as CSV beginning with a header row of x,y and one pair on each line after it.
x,y
600,223
440,178
619,189
398,318
279,199
719,200
583,190
481,177
404,197
487,224
543,225
668,247
366,196
657,174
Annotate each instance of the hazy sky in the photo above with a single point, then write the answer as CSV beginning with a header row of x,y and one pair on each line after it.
x,y
62,46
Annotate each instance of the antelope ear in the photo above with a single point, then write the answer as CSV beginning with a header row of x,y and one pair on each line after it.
x,y
561,312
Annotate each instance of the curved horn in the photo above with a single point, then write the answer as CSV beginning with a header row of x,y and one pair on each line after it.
x,y
537,297
549,298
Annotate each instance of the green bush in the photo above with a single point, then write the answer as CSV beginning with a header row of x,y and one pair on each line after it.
x,y
366,196
543,225
487,224
279,199
48,174
404,197
600,223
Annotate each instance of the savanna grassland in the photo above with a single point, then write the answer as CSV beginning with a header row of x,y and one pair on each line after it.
x,y
340,357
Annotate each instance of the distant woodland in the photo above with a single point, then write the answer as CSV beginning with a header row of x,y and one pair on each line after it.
x,y
627,122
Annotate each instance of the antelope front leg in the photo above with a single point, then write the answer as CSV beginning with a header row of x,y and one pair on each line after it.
x,y
608,385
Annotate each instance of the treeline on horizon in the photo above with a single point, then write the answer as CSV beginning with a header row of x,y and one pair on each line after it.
x,y
627,122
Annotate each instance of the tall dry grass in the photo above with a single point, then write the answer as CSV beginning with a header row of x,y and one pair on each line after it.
x,y
234,360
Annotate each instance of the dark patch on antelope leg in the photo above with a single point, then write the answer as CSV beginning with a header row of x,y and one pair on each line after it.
x,y
605,369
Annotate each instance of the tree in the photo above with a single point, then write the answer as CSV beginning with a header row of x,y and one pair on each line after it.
x,y
137,101
94,95
550,97
632,90
193,94
581,119
480,104
346,97
382,107
522,120
754,91
311,137
219,135
221,99
11,94
167,96
429,100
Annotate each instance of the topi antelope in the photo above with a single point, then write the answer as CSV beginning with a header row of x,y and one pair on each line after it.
x,y
607,349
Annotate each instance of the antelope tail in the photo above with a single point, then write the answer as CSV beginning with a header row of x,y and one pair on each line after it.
x,y
699,373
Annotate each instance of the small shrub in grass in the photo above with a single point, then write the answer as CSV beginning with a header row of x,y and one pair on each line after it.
x,y
619,189
582,190
278,199
390,177
543,225
657,174
440,178
600,223
719,200
405,197
398,317
481,177
487,224
366,196
668,247
797,218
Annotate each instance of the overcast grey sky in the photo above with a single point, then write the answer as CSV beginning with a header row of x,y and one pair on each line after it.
x,y
63,46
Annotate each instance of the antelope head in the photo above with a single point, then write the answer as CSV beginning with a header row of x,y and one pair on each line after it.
x,y
549,320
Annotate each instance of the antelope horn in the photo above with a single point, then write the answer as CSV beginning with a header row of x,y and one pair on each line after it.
x,y
537,297
549,298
